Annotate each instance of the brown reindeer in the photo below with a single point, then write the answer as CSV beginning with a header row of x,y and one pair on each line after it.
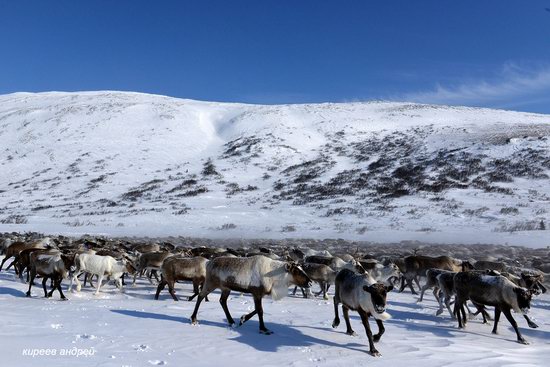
x,y
177,268
417,265
15,248
257,275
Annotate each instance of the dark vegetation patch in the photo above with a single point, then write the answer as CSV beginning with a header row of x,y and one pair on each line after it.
x,y
143,191
234,188
194,192
398,164
242,146
209,169
184,185
14,219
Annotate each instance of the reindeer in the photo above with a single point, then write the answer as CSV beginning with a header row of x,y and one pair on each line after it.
x,y
176,268
362,294
417,265
335,263
15,248
257,275
49,264
151,261
322,274
491,290
101,266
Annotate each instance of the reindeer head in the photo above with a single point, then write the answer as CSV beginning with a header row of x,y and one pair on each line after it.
x,y
359,268
524,298
130,267
534,283
395,270
467,266
378,292
298,275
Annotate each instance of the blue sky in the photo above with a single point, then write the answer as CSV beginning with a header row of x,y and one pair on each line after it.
x,y
479,52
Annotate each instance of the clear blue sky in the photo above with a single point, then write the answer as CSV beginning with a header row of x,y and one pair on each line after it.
x,y
474,52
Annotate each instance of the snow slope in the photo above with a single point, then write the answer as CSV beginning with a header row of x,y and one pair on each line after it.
x,y
132,329
136,164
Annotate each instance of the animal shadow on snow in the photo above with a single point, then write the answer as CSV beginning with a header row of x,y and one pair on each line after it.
x,y
12,292
248,334
403,319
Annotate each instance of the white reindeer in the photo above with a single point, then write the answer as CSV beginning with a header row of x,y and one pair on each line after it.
x,y
102,266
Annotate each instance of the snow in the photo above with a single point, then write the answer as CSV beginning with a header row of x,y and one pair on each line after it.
x,y
132,329
68,159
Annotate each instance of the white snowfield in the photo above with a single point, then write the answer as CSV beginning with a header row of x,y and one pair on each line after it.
x,y
132,329
122,163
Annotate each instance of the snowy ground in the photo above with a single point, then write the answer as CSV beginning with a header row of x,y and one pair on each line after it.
x,y
132,329
120,163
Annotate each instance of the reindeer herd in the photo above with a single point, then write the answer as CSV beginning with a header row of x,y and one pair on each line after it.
x,y
361,281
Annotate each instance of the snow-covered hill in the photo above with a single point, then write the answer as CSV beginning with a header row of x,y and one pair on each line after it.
x,y
138,164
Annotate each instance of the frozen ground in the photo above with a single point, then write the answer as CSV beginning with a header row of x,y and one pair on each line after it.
x,y
132,329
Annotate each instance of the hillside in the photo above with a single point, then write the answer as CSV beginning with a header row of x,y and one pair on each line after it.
x,y
136,164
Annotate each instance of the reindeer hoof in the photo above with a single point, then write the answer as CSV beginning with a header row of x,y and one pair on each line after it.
x,y
335,323
438,312
28,294
266,332
351,333
532,325
242,320
523,341
194,322
375,353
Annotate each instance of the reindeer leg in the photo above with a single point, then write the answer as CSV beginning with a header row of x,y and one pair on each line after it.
x,y
260,312
422,290
206,297
195,291
381,330
160,287
295,289
33,275
530,322
365,320
44,280
321,289
3,261
150,276
497,317
99,281
154,272
417,281
349,330
248,316
54,280
59,289
403,285
135,277
202,295
510,318
336,321
223,302
456,312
